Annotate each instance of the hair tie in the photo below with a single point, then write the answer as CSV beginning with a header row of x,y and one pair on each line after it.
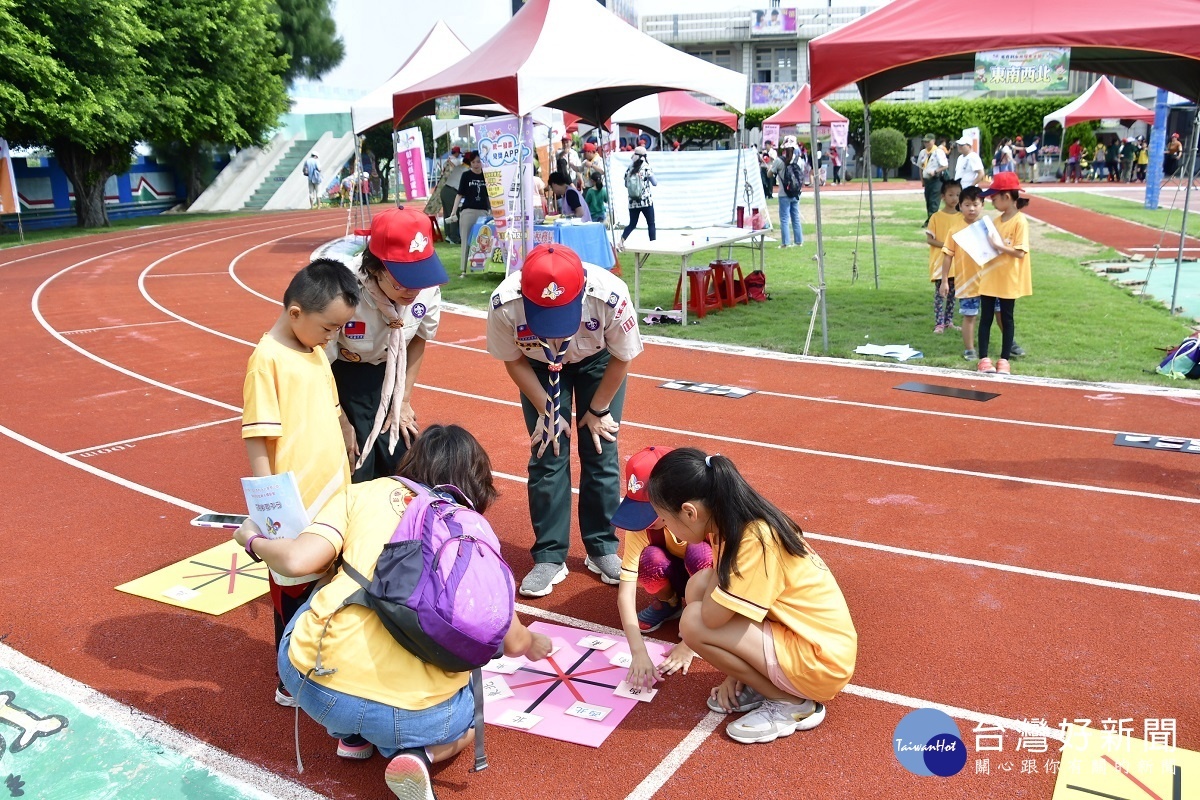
x,y
708,460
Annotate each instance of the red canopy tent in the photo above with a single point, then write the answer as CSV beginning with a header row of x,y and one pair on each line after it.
x,y
882,51
665,110
1101,101
798,111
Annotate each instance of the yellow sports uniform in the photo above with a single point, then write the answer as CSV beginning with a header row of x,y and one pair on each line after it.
x,y
636,542
369,662
942,225
817,651
966,269
1008,276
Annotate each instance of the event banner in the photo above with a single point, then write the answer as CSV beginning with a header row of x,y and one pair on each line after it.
x,y
410,161
770,133
1031,69
839,134
508,172
774,21
8,182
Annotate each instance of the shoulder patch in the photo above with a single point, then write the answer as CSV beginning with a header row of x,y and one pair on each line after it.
x,y
612,300
496,300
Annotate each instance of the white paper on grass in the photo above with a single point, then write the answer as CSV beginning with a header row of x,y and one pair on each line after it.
x,y
974,239
900,352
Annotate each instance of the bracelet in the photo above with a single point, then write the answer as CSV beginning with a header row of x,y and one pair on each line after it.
x,y
597,414
250,542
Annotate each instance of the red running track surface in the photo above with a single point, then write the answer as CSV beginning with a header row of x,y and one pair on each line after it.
x,y
1003,558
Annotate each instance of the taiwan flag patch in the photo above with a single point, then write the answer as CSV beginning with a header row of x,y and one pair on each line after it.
x,y
355,329
525,336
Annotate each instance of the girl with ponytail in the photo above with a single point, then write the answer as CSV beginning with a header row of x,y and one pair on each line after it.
x,y
769,614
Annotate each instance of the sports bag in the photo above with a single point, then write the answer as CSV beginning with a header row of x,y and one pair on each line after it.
x,y
793,180
756,286
441,587
634,185
1183,361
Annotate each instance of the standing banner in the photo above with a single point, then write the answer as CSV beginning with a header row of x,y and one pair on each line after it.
x,y
770,133
508,172
839,134
973,135
410,161
9,203
1029,69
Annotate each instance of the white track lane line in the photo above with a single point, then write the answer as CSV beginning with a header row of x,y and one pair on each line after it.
x,y
115,327
243,775
153,435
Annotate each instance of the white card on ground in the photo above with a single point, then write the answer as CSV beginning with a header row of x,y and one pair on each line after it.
x,y
518,719
1170,445
621,660
634,692
1131,438
181,593
672,385
496,688
585,711
595,643
555,646
503,665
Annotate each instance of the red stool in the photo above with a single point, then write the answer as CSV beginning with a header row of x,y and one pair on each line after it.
x,y
730,286
437,228
702,292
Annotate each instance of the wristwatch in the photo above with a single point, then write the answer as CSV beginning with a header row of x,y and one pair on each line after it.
x,y
250,542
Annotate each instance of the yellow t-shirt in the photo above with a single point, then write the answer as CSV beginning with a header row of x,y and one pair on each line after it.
x,y
1007,276
290,399
800,594
942,224
966,269
635,543
369,662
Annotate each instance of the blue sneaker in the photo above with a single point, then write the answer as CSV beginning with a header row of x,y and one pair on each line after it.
x,y
652,617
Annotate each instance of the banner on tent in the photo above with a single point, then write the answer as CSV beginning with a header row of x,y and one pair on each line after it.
x,y
1029,69
770,133
508,172
446,107
410,158
839,134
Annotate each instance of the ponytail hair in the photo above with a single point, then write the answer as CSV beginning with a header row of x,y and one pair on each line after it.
x,y
687,475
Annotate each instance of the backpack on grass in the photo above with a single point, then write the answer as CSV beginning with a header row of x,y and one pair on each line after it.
x,y
1183,361
756,286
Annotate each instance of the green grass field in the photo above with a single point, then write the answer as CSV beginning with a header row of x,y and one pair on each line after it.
x,y
1076,325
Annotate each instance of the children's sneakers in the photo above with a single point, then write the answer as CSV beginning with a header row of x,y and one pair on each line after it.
x,y
355,748
1002,366
985,365
776,718
747,700
283,698
939,328
652,617
969,355
408,777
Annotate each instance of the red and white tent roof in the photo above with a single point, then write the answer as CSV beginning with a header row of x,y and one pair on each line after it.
x,y
664,110
544,57
797,112
1101,101
440,48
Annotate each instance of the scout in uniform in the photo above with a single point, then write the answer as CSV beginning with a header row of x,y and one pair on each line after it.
x,y
566,330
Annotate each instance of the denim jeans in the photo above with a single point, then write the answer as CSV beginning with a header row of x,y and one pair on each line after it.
x,y
789,219
389,728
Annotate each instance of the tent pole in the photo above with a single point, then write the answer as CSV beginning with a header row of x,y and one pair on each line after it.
x,y
870,185
738,182
1187,197
820,240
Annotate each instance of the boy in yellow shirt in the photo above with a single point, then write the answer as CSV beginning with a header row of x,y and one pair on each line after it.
x,y
291,419
963,269
942,224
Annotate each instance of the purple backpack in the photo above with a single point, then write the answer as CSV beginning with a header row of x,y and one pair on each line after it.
x,y
441,587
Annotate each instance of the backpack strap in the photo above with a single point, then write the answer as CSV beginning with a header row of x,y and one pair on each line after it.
x,y
481,762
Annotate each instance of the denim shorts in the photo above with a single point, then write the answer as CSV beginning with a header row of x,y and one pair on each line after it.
x,y
968,306
389,728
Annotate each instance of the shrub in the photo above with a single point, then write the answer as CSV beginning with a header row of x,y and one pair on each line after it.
x,y
889,149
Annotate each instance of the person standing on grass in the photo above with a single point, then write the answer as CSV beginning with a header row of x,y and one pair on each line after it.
x,y
473,203
968,170
931,162
640,176
1007,276
942,224
964,270
793,172
597,198
770,614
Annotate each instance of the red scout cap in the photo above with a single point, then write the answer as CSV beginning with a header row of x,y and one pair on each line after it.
x,y
552,284
402,238
1003,182
635,512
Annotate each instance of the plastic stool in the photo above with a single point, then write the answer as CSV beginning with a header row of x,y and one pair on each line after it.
x,y
702,292
437,228
730,285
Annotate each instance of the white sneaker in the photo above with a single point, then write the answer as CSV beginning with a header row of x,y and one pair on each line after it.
x,y
776,718
408,778
542,578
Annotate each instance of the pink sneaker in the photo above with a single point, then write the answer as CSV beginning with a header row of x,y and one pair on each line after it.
x,y
1002,367
939,328
985,365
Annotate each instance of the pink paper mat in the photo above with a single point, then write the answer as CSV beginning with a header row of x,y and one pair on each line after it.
x,y
573,674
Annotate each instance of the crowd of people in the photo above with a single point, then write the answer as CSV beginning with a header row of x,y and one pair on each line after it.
x,y
752,596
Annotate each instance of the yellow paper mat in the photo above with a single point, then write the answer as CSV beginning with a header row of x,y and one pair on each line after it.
x,y
1098,764
215,581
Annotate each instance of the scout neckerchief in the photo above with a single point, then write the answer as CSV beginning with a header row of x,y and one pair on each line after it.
x,y
555,366
392,395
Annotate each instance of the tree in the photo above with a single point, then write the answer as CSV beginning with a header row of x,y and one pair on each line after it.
x,y
308,37
92,110
888,149
30,76
218,80
379,141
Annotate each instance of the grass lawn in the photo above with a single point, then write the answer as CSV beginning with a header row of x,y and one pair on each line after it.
x,y
1169,211
1076,325
11,238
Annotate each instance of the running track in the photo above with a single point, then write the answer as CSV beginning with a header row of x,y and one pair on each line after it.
x,y
1002,559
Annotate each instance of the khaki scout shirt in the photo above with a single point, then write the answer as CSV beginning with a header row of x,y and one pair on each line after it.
x,y
364,338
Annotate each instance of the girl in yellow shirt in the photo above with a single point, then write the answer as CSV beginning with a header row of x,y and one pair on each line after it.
x,y
942,223
770,614
1007,276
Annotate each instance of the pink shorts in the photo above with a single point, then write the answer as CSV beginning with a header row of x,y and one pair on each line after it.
x,y
777,676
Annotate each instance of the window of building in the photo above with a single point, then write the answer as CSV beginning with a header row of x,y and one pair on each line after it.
x,y
721,57
775,65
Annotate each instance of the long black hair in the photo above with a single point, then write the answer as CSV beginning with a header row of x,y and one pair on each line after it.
x,y
449,454
687,475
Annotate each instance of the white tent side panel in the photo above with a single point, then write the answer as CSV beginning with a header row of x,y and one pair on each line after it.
x,y
695,188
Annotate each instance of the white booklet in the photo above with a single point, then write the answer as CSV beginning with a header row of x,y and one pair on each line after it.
x,y
974,240
274,503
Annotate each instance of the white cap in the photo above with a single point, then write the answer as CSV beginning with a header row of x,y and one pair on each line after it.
x,y
966,140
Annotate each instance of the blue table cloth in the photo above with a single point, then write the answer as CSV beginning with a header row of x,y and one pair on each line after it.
x,y
589,240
